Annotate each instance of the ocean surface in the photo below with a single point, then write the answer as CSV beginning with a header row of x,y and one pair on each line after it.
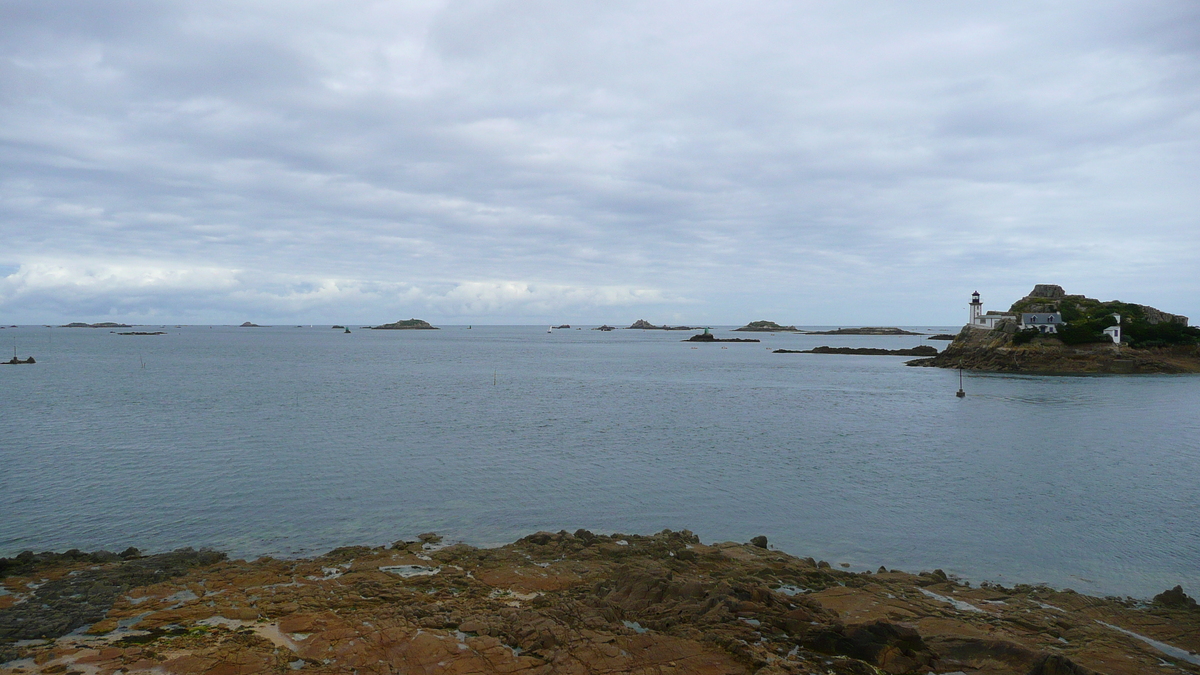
x,y
288,441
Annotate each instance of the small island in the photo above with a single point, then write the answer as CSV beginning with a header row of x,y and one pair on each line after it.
x,y
249,325
14,361
866,330
642,324
105,324
1050,332
604,328
140,332
709,337
923,350
407,324
767,327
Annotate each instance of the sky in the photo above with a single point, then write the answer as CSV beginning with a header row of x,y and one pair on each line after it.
x,y
516,162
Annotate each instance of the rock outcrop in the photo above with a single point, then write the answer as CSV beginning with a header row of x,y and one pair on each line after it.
x,y
569,603
642,324
709,337
407,324
104,324
767,327
923,350
866,330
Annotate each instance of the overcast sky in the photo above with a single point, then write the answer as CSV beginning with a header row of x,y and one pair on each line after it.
x,y
534,162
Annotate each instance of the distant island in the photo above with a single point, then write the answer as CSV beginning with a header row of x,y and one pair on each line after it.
x,y
106,324
923,350
866,330
766,327
408,324
605,328
1051,332
141,332
249,325
643,324
709,337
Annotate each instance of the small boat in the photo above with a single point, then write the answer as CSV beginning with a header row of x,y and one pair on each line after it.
x,y
347,330
550,329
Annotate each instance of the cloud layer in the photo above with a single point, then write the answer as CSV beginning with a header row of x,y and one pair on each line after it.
x,y
535,161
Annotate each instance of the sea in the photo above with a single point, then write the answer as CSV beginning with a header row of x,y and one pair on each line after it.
x,y
289,441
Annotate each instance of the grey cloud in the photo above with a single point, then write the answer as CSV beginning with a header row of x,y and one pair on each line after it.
x,y
758,149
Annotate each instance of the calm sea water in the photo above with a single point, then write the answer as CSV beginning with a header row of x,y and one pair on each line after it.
x,y
288,441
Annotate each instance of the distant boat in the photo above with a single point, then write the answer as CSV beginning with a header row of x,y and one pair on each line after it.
x,y
550,329
347,330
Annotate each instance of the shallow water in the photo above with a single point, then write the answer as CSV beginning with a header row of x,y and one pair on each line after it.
x,y
287,441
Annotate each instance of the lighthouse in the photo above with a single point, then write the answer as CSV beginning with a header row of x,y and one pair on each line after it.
x,y
976,308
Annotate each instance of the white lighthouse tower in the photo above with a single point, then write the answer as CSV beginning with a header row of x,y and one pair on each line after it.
x,y
976,309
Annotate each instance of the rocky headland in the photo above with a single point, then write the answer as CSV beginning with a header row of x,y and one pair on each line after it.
x,y
866,330
562,603
767,327
407,324
1153,341
923,350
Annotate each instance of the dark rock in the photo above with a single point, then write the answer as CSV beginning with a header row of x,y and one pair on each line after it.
x,y
922,350
1175,599
643,324
430,538
131,552
407,324
759,541
941,336
892,647
60,606
766,327
604,328
709,337
867,330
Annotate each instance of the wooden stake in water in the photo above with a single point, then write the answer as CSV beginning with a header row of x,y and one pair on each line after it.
x,y
960,393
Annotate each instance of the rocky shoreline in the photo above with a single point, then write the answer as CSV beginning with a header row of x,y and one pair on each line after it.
x,y
561,603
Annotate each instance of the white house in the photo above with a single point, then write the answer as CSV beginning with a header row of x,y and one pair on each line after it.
x,y
1114,332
